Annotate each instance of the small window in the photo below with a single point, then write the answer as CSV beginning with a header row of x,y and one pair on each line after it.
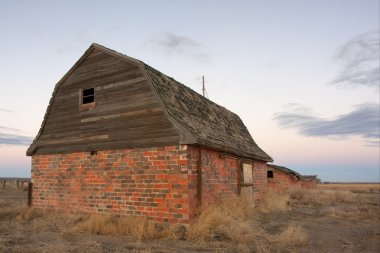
x,y
88,96
269,174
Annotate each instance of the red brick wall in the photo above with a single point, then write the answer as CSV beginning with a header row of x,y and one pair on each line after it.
x,y
282,182
279,183
309,184
220,177
294,182
260,184
192,157
160,183
150,182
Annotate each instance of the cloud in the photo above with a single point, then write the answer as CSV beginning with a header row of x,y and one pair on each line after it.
x,y
362,121
180,45
9,129
12,136
360,61
12,139
4,110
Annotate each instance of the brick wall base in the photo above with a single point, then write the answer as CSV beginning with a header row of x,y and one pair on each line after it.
x,y
151,182
161,183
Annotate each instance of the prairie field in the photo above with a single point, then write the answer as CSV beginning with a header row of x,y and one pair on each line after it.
x,y
354,187
332,218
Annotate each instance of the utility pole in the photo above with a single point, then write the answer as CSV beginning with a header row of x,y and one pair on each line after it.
x,y
203,85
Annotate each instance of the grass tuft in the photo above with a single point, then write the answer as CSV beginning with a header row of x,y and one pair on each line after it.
x,y
292,235
230,219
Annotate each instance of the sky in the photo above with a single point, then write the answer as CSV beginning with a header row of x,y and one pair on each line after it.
x,y
303,75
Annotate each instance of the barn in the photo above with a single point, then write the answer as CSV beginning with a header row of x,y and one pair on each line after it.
x,y
281,179
119,137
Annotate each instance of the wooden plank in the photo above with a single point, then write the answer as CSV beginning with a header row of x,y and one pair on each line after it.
x,y
121,115
73,140
134,120
107,77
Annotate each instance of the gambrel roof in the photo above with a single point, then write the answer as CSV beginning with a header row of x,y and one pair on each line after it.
x,y
199,120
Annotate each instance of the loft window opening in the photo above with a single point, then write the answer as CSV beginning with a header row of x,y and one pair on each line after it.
x,y
269,174
88,96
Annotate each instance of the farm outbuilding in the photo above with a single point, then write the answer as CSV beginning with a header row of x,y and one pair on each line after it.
x,y
281,179
309,181
120,137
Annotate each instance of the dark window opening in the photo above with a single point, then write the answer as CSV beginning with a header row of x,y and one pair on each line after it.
x,y
269,174
88,96
94,152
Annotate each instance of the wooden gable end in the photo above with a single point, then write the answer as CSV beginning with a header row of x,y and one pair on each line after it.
x,y
126,112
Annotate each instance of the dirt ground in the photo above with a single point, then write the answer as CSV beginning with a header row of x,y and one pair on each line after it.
x,y
328,220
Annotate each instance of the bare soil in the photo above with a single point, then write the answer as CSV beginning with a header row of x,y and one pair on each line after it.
x,y
331,222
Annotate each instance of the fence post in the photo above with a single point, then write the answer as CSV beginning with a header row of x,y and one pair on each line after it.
x,y
30,190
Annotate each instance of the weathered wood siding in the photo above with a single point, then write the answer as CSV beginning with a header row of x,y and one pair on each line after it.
x,y
126,113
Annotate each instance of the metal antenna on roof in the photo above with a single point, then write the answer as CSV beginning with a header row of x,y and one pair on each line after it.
x,y
203,85
204,92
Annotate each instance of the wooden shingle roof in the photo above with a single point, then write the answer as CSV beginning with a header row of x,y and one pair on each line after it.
x,y
211,124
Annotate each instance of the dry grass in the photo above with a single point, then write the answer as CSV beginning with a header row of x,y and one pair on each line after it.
x,y
231,219
233,225
339,203
28,213
356,188
138,227
292,235
321,197
274,202
9,210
